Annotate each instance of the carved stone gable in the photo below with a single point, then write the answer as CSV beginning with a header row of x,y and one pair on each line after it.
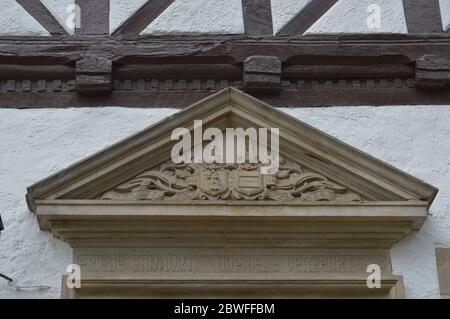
x,y
145,227
230,182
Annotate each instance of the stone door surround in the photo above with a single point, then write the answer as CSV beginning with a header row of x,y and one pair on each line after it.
x,y
142,227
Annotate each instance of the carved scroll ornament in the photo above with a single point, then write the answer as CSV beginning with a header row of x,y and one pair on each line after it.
x,y
230,182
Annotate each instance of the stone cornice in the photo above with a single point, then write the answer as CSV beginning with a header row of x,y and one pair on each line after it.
x,y
332,286
368,219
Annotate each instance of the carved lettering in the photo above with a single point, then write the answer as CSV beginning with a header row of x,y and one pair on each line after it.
x,y
162,264
302,264
247,264
102,263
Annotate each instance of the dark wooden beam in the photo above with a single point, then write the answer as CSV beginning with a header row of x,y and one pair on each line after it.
x,y
307,17
433,73
262,73
187,71
222,50
349,71
93,75
29,72
203,71
257,17
423,16
304,93
94,17
42,15
143,17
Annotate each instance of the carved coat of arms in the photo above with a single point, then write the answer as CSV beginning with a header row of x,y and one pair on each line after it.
x,y
230,182
213,180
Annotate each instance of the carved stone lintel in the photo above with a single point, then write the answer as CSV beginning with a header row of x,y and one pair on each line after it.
x,y
433,73
94,75
262,73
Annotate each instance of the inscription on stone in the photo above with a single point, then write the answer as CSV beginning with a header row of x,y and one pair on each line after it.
x,y
230,263
167,263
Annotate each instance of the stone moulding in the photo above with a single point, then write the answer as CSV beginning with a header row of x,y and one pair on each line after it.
x,y
316,221
309,147
319,287
204,224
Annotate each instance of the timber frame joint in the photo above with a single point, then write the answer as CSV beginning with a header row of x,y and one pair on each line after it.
x,y
171,70
262,73
433,73
93,75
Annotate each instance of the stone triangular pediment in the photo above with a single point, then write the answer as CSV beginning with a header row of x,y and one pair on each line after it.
x,y
200,182
314,166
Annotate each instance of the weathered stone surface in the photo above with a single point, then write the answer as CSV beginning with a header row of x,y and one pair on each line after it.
x,y
228,261
443,267
234,182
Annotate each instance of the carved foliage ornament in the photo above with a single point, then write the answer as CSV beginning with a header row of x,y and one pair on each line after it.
x,y
230,182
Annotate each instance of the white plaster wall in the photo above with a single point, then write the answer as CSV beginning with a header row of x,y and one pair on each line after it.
x,y
199,16
37,143
33,145
64,12
120,11
15,21
285,10
346,16
350,16
445,11
220,17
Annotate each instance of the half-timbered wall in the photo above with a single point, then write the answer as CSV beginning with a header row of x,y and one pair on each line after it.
x,y
36,142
